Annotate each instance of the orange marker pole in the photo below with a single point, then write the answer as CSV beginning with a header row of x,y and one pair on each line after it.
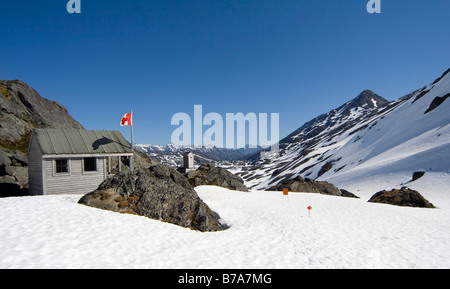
x,y
309,211
286,193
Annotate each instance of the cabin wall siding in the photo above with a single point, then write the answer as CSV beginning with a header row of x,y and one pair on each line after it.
x,y
35,178
76,181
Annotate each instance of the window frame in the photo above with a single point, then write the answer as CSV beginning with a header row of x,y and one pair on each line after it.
x,y
83,163
55,167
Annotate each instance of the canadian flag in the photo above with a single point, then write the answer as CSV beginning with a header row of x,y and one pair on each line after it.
x,y
127,120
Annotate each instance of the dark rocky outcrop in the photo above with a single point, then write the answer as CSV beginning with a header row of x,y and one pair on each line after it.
x,y
21,110
347,194
209,174
298,184
417,175
403,197
158,192
437,102
13,173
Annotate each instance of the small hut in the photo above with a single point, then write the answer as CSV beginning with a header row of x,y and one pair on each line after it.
x,y
188,162
74,161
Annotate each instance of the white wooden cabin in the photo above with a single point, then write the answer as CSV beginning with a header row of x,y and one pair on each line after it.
x,y
73,161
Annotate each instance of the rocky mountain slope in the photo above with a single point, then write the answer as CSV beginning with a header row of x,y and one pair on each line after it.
x,y
392,151
21,110
368,131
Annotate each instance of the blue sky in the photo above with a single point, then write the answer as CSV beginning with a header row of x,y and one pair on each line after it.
x,y
298,58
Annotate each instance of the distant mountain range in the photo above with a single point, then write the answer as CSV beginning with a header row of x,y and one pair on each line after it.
x,y
172,154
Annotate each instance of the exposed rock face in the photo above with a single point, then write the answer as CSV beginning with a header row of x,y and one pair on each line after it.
x,y
418,175
21,110
347,194
13,173
298,184
160,193
210,175
403,197
437,102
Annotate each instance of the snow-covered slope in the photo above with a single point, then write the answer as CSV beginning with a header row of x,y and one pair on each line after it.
x,y
268,230
359,145
410,138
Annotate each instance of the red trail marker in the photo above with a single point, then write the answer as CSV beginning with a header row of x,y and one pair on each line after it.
x,y
309,211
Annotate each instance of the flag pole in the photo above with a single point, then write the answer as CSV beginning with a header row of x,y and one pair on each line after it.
x,y
132,146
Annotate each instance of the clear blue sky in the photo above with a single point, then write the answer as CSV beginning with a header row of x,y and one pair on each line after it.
x,y
298,58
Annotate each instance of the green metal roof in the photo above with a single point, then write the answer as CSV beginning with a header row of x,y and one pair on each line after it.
x,y
79,141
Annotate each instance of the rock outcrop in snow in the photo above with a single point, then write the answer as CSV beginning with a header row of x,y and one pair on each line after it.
x,y
210,175
298,184
159,192
404,197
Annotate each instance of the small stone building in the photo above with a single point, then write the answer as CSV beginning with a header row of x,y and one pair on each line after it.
x,y
74,161
188,161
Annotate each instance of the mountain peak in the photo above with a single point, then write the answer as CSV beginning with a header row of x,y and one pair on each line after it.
x,y
368,99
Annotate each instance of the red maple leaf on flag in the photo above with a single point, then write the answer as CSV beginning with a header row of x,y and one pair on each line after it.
x,y
126,120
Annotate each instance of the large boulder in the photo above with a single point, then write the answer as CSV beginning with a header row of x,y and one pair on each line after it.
x,y
158,192
208,174
403,197
13,173
298,184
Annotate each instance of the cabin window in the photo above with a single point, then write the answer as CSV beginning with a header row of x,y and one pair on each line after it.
x,y
62,166
90,164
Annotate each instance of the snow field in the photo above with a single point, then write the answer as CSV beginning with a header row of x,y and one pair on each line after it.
x,y
268,230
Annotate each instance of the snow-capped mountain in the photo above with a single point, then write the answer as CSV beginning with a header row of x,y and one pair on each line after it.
x,y
364,138
172,154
